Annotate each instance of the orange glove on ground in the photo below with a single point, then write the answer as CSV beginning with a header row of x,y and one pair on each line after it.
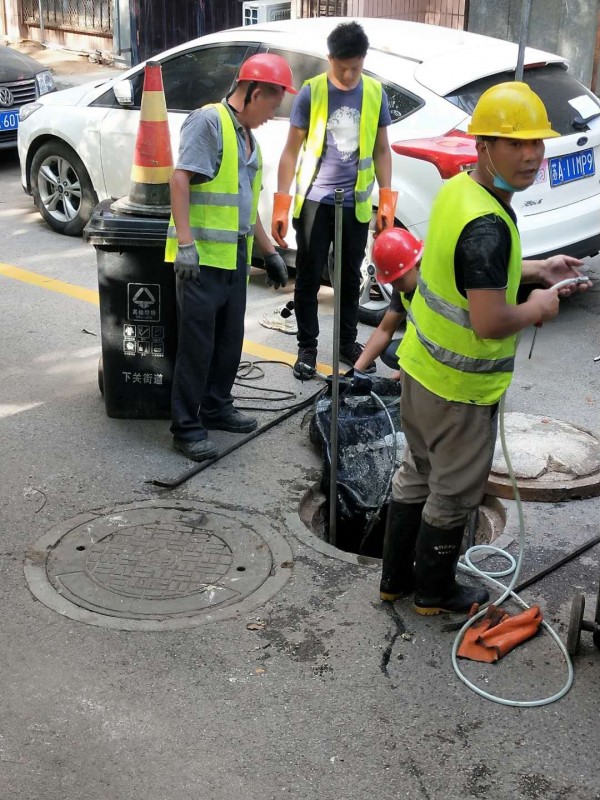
x,y
386,210
508,634
279,220
497,640
470,647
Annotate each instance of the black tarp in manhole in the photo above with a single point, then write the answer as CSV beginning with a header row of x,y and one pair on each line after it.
x,y
370,443
158,565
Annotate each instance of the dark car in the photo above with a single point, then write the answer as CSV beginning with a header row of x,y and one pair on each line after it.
x,y
22,80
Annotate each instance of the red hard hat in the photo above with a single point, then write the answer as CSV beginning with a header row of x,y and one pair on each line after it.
x,y
395,251
268,68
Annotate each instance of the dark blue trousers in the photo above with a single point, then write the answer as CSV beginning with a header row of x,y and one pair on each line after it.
x,y
315,230
210,314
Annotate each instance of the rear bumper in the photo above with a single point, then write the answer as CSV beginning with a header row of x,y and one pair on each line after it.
x,y
573,230
588,247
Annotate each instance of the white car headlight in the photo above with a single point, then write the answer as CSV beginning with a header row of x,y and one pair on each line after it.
x,y
27,110
45,82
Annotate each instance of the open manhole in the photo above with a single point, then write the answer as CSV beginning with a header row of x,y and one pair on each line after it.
x,y
490,528
158,565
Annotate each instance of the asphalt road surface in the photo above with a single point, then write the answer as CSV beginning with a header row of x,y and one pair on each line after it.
x,y
318,691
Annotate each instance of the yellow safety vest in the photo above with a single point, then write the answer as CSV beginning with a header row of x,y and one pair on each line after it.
x,y
315,139
440,348
214,206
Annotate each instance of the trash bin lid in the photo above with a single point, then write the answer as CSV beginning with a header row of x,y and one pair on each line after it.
x,y
117,229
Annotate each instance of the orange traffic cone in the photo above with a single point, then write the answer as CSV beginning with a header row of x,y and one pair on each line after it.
x,y
153,160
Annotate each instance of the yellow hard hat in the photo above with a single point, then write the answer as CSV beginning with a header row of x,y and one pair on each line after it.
x,y
513,111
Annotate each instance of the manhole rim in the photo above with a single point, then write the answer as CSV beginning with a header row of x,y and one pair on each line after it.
x,y
34,568
301,531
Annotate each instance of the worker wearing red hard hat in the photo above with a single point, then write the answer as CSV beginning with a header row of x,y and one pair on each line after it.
x,y
210,245
396,255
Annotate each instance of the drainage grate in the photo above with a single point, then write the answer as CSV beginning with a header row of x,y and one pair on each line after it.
x,y
158,566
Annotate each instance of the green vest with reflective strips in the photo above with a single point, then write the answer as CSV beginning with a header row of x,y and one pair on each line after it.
x,y
214,206
315,139
440,348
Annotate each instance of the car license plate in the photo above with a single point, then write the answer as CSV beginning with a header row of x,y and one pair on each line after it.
x,y
9,120
572,167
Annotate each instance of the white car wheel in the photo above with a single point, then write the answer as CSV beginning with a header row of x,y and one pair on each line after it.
x,y
61,188
374,298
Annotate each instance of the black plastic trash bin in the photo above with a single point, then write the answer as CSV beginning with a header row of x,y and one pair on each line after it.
x,y
138,315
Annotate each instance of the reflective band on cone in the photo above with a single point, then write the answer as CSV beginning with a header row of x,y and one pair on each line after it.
x,y
153,159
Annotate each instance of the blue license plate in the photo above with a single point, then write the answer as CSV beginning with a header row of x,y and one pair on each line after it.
x,y
9,120
572,167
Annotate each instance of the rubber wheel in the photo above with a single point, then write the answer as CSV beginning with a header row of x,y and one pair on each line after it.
x,y
101,376
596,634
61,188
574,635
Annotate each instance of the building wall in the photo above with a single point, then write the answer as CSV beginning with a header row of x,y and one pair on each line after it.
x,y
449,13
567,27
11,27
10,19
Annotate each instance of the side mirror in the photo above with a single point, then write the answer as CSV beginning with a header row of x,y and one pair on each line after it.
x,y
124,92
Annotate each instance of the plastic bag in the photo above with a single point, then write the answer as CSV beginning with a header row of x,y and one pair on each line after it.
x,y
370,446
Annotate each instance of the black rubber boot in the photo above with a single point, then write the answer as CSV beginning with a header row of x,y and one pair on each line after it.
x,y
401,531
437,555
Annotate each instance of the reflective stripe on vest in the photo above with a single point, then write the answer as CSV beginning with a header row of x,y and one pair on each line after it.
x,y
316,137
214,206
440,348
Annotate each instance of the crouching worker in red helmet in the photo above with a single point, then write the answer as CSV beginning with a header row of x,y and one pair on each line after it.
x,y
457,356
214,201
396,255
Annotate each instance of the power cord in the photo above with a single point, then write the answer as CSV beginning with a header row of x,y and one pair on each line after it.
x,y
249,371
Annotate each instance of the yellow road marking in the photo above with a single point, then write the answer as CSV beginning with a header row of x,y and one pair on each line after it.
x,y
44,282
92,296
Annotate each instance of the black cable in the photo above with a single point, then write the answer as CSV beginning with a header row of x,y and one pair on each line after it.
x,y
557,564
249,371
185,476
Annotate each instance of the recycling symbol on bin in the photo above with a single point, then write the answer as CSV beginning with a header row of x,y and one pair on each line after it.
x,y
143,301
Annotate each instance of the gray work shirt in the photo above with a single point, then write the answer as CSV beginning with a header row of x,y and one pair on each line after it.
x,y
201,152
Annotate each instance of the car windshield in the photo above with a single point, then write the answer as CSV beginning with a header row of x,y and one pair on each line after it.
x,y
551,82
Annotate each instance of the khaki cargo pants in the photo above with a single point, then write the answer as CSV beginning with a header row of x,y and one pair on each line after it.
x,y
448,455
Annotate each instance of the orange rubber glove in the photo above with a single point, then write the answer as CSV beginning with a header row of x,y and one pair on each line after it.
x,y
386,210
470,646
497,634
279,220
508,634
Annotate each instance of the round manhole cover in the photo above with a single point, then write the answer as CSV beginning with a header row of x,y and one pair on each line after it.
x,y
158,565
552,460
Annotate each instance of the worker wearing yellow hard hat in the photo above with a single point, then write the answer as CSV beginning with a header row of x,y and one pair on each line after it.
x,y
457,356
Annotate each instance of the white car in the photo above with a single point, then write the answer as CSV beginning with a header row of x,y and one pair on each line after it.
x,y
76,146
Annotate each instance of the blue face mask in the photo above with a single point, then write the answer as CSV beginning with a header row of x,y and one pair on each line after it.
x,y
500,183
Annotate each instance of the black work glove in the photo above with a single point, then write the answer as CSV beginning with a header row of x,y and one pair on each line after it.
x,y
277,274
359,382
187,265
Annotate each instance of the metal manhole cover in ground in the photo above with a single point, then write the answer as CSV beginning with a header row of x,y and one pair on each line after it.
x,y
158,565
